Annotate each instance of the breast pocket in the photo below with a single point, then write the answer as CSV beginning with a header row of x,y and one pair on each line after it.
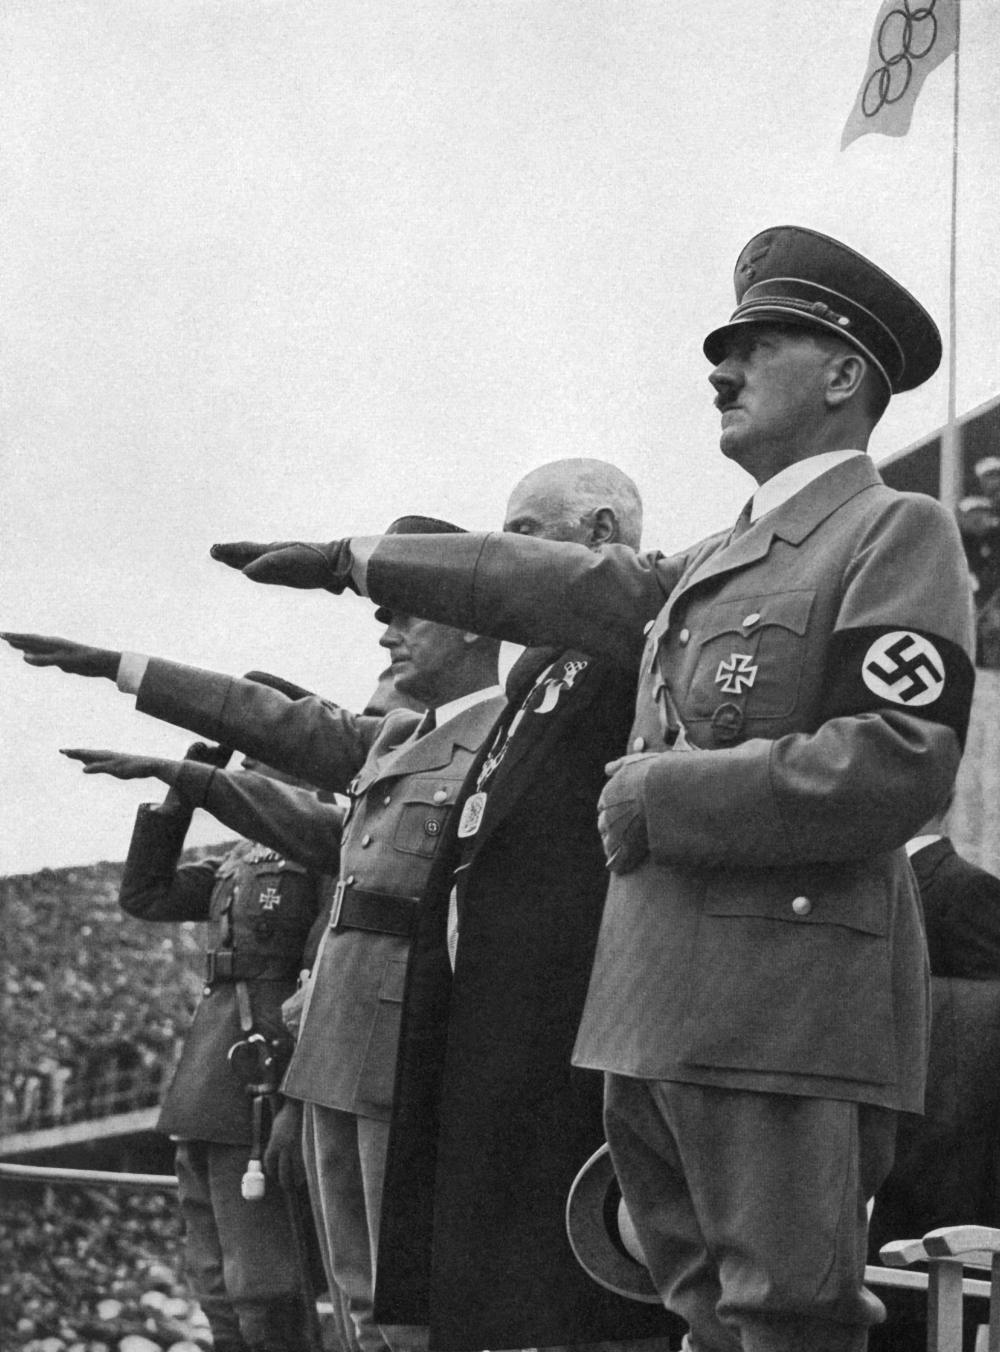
x,y
424,811
749,652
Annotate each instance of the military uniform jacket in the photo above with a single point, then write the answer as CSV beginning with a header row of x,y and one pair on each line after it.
x,y
259,908
490,1122
402,791
819,664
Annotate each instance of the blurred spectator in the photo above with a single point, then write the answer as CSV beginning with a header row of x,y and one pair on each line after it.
x,y
979,522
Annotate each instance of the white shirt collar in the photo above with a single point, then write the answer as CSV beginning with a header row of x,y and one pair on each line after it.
x,y
919,843
445,712
792,479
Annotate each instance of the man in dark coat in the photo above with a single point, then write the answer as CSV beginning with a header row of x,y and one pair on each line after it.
x,y
491,1122
961,905
947,1166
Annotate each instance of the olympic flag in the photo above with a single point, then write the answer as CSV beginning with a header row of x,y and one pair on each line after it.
x,y
909,40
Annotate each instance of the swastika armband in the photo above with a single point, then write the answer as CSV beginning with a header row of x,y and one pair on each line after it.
x,y
878,667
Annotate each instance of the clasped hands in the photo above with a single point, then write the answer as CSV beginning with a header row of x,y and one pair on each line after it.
x,y
621,812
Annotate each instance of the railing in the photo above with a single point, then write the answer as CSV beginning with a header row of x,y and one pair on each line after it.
x,y
59,1095
39,1173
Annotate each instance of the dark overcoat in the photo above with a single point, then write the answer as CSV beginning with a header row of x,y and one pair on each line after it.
x,y
491,1122
961,905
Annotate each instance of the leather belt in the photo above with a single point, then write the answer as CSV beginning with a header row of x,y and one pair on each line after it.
x,y
354,908
228,964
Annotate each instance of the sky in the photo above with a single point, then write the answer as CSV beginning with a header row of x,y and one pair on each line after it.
x,y
283,269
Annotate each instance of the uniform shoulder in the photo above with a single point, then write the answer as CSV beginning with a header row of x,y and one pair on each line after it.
x,y
916,513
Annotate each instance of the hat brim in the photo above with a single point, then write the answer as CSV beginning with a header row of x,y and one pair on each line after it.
x,y
715,345
594,1237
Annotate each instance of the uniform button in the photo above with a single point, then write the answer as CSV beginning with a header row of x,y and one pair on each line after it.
x,y
639,744
647,628
802,905
440,795
386,800
206,990
684,635
349,882
366,840
751,619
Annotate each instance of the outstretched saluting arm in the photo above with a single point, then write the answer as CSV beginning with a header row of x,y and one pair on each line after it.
x,y
505,585
310,738
285,818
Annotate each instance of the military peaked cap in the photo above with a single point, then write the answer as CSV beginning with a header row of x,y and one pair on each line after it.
x,y
790,275
416,525
422,525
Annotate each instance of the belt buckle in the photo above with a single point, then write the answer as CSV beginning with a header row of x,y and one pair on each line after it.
x,y
338,902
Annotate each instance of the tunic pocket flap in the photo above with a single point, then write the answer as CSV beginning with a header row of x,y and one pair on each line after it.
x,y
750,614
423,811
846,895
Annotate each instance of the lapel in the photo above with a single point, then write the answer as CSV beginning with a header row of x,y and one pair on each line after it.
x,y
792,522
926,862
530,743
436,749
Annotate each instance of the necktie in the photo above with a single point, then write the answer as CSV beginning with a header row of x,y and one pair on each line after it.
x,y
427,724
742,522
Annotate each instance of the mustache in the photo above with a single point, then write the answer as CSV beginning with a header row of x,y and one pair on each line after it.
x,y
725,401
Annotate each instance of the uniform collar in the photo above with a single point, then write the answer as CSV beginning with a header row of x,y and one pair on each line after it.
x,y
454,707
466,727
920,843
792,522
792,479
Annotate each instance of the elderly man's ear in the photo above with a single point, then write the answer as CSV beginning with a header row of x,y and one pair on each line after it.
x,y
604,526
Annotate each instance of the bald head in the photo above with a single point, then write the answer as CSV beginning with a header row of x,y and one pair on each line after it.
x,y
586,501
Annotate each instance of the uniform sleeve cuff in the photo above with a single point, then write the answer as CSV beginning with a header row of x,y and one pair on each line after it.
x,y
131,669
362,548
193,782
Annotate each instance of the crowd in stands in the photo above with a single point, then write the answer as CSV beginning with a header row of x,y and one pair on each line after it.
x,y
93,1008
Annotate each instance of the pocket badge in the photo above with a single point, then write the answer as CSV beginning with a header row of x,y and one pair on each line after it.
x,y
472,815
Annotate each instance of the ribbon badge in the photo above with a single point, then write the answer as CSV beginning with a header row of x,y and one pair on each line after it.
x,y
555,685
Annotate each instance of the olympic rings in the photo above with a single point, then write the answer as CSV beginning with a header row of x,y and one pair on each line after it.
x,y
884,86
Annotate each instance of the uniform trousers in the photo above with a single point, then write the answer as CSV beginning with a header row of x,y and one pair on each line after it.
x,y
239,1255
345,1163
751,1210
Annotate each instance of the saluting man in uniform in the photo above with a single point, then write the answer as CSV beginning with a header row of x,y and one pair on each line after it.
x,y
759,993
259,907
403,774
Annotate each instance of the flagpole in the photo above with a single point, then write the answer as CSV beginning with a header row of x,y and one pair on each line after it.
x,y
952,469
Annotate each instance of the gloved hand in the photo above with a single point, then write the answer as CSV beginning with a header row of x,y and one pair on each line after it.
x,y
79,659
283,1156
621,816
291,563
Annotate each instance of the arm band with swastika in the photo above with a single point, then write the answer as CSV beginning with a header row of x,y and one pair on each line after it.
x,y
885,667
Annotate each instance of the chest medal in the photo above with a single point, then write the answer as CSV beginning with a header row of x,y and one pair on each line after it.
x,y
472,815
